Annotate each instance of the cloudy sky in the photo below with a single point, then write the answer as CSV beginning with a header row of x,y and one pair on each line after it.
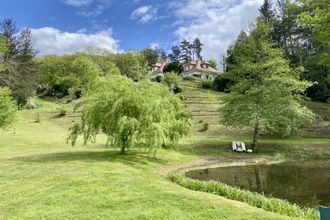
x,y
67,26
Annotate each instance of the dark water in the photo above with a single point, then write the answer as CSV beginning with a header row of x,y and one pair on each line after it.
x,y
304,183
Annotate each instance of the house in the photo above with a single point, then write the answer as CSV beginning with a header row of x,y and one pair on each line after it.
x,y
198,68
157,70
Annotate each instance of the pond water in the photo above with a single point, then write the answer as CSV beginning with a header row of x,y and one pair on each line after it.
x,y
304,183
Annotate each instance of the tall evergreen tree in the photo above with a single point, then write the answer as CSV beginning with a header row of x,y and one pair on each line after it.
x,y
267,92
175,55
266,11
19,69
185,51
198,48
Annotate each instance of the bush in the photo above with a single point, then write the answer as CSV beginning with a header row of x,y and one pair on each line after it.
x,y
207,84
223,82
7,108
173,67
205,126
62,113
173,81
254,199
189,78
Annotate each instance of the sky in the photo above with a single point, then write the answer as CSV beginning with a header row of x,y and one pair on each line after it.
x,y
68,26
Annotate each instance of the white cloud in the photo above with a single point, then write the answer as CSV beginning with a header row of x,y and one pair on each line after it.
x,y
53,41
216,22
92,13
144,14
154,46
77,3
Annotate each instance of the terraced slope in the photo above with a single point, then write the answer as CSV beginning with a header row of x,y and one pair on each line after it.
x,y
204,107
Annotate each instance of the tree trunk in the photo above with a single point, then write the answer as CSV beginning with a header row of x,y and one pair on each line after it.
x,y
255,137
122,149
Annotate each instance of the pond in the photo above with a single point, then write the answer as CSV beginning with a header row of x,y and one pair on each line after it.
x,y
304,183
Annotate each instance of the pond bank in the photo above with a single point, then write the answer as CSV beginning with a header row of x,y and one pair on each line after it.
x,y
176,175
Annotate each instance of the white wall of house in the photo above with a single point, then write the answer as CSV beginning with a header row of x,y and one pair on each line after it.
x,y
198,74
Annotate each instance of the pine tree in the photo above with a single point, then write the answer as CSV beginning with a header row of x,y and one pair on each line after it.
x,y
198,48
266,11
185,51
19,69
175,55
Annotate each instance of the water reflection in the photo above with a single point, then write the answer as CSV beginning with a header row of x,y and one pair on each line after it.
x,y
305,183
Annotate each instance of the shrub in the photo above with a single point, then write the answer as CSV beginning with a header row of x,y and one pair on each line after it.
x,y
173,81
7,108
189,78
62,113
205,126
223,82
254,199
207,84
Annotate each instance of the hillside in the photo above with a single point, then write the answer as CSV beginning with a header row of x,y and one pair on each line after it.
x,y
204,107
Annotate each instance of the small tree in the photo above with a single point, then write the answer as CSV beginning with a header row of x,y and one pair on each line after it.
x,y
267,93
7,108
175,66
172,80
132,114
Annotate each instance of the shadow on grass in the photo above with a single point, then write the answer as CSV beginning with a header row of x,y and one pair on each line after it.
x,y
131,158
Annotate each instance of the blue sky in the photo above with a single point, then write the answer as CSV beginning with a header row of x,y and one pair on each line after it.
x,y
66,26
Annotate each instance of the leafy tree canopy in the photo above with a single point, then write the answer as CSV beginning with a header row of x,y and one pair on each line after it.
x,y
175,66
268,92
131,114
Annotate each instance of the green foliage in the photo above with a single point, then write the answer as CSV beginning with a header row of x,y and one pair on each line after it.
x,y
223,82
17,61
317,17
173,81
62,75
151,56
131,65
189,78
269,204
268,92
7,108
213,63
173,67
205,126
3,49
207,84
131,114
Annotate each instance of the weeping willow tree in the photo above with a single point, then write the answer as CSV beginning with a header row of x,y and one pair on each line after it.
x,y
131,114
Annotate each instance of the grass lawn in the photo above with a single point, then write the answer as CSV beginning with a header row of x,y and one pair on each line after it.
x,y
42,177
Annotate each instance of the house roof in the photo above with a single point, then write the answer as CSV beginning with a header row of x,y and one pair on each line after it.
x,y
200,65
194,65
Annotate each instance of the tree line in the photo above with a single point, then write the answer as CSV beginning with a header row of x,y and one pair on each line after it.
x,y
270,69
300,29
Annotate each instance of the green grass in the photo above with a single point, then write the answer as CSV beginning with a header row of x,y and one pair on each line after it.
x,y
44,178
253,199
